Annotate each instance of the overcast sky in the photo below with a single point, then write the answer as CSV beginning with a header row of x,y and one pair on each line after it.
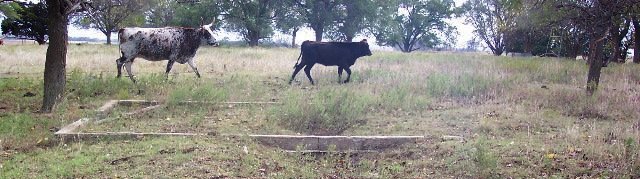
x,y
464,33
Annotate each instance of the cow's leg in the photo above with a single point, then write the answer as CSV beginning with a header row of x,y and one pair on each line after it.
x,y
295,72
128,66
348,74
169,65
340,74
193,66
307,70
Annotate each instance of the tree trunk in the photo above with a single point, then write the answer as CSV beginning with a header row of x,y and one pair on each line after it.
x,y
108,34
54,67
527,46
349,38
497,52
617,35
636,40
572,47
294,34
253,37
40,40
406,46
615,45
595,61
319,31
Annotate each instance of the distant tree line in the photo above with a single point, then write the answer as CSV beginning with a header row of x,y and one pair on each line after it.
x,y
407,25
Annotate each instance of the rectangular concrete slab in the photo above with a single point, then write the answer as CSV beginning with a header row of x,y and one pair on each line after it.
x,y
288,142
344,143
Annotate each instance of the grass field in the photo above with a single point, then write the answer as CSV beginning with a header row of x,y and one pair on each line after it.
x,y
520,117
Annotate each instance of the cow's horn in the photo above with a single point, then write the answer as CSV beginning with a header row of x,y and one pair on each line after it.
x,y
201,21
213,21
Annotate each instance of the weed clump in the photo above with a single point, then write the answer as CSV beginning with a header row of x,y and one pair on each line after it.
x,y
484,160
330,112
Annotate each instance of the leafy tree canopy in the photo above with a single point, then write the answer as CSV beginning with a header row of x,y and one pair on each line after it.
x,y
416,24
32,22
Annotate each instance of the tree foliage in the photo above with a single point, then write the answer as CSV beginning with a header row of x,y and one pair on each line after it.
x,y
351,19
161,13
191,15
108,16
289,19
9,10
253,19
318,14
491,19
415,24
31,22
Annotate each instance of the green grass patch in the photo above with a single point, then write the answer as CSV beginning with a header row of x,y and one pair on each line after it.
x,y
87,85
196,92
329,112
21,130
403,97
459,86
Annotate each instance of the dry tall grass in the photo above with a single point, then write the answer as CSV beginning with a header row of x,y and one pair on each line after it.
x,y
520,116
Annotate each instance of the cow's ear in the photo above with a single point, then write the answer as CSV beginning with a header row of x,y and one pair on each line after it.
x,y
364,40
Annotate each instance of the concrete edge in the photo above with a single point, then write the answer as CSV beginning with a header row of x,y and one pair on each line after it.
x,y
73,126
145,102
290,143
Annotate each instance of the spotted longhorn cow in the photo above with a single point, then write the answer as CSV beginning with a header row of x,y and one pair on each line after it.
x,y
175,44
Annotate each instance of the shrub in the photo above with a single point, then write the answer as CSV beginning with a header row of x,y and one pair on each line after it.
x,y
330,112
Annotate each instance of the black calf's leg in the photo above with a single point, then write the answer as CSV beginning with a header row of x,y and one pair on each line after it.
x,y
295,72
307,70
169,65
340,74
349,74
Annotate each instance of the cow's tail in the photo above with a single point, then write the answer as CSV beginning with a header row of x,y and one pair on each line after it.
x,y
294,66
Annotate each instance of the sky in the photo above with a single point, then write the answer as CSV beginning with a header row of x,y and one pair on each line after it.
x,y
465,33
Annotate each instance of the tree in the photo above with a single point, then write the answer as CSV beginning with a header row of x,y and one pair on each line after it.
x,y
32,22
191,14
351,19
288,19
318,14
635,34
617,32
55,64
108,16
596,17
636,38
161,13
491,20
251,18
9,10
416,24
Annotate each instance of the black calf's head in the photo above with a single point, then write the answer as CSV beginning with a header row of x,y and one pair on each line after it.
x,y
363,48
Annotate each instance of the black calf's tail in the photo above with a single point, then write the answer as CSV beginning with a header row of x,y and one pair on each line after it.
x,y
294,66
